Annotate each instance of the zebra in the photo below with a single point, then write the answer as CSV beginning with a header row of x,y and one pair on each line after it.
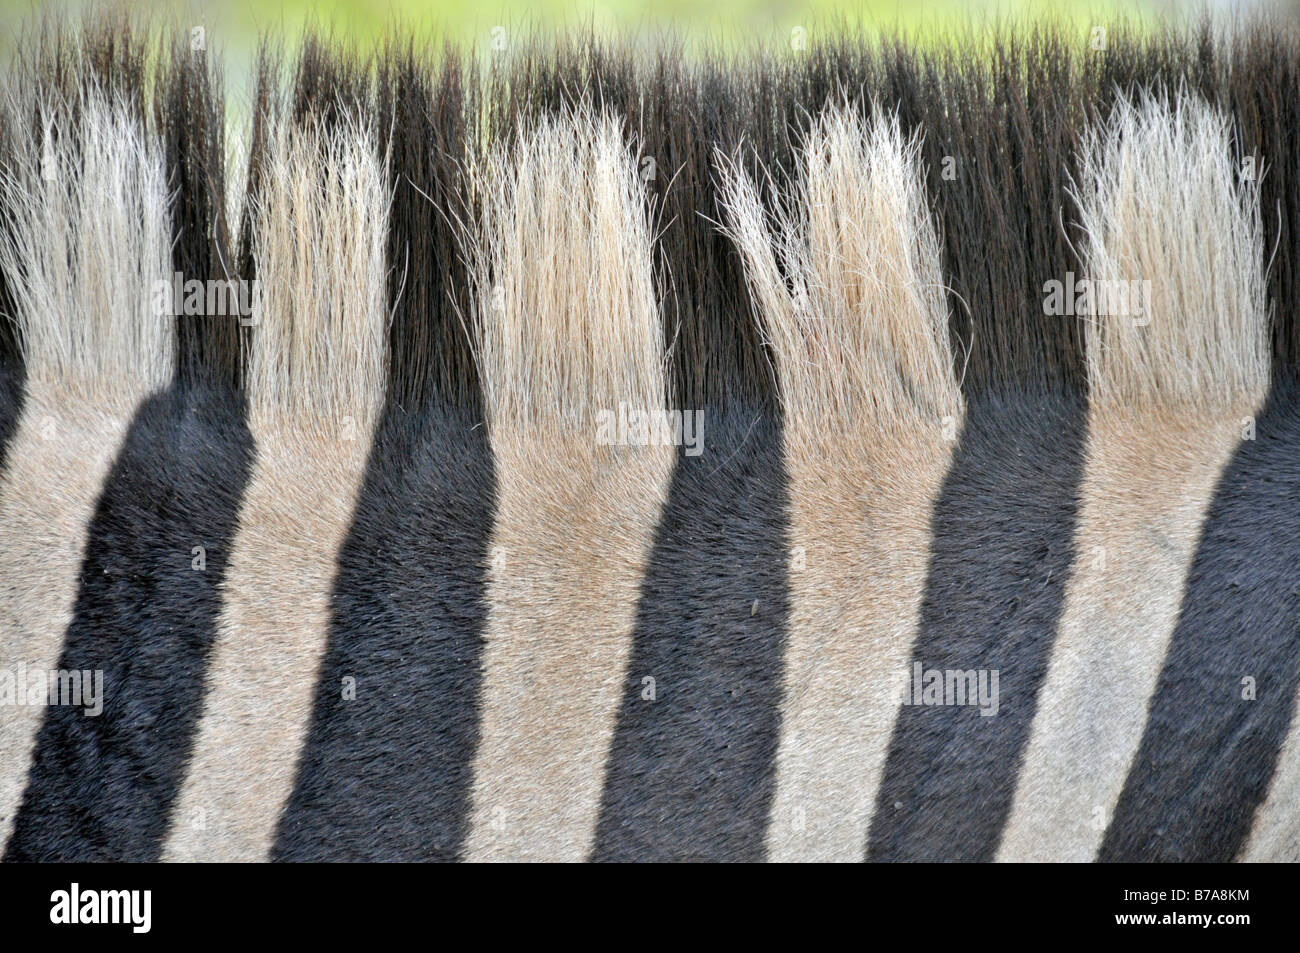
x,y
986,555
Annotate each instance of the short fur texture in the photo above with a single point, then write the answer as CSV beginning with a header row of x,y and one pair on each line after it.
x,y
850,291
316,382
566,326
437,613
1171,386
87,238
409,603
148,593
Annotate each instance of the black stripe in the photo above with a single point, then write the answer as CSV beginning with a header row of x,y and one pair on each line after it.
x,y
102,788
1207,753
690,774
1002,548
387,775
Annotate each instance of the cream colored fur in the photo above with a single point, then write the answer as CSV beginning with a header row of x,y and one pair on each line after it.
x,y
316,383
89,238
872,411
567,325
1160,200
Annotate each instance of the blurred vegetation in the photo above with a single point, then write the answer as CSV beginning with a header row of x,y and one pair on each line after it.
x,y
234,28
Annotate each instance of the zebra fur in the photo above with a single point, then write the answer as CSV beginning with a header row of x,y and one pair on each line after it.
x,y
436,616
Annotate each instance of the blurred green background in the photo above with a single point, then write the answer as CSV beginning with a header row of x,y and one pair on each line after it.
x,y
232,27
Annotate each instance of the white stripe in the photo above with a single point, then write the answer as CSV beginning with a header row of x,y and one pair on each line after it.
x,y
1171,378
59,457
1147,485
854,613
872,415
567,327
316,380
574,529
272,631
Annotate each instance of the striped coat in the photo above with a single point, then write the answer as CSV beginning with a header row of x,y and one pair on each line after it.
x,y
901,464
